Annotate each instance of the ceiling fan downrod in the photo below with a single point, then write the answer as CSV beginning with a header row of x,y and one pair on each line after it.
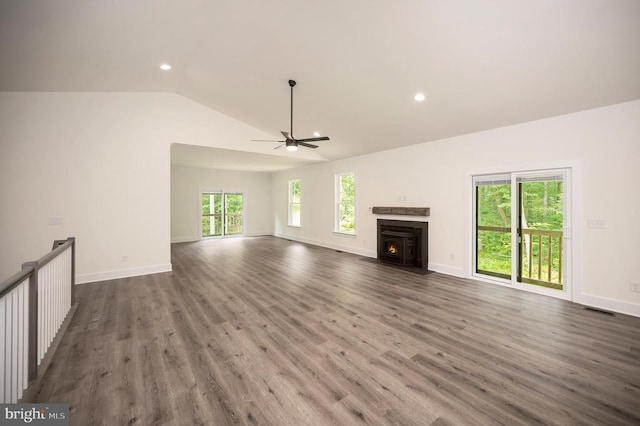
x,y
291,84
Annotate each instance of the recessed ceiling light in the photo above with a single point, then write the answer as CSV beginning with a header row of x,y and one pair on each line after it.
x,y
165,67
419,97
316,134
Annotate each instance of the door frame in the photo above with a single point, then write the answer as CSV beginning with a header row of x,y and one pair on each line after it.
x,y
573,234
208,190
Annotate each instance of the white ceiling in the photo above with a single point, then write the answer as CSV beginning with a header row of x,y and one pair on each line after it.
x,y
358,63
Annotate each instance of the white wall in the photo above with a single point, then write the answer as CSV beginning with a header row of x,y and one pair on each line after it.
x,y
603,143
101,162
187,183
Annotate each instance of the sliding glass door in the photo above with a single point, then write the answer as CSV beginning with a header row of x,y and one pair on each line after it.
x,y
222,214
520,224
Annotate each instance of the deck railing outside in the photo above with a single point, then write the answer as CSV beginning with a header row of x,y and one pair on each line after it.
x,y
234,224
33,305
541,257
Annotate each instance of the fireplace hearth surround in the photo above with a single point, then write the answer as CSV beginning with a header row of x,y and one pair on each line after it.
x,y
403,242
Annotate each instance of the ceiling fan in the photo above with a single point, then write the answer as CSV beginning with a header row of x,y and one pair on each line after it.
x,y
290,141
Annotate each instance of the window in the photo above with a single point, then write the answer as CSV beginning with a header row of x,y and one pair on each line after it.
x,y
346,203
222,214
294,203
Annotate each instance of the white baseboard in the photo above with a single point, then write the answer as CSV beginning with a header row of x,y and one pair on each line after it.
x,y
194,239
347,249
121,273
609,304
184,240
448,270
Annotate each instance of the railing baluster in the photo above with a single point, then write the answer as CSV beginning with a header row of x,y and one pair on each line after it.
x,y
3,349
539,256
25,337
550,259
14,345
19,343
530,254
560,260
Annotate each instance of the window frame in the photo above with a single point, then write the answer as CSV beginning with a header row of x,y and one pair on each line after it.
x,y
338,203
223,214
291,203
571,261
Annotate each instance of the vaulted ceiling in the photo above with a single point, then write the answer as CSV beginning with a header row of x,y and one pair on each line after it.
x,y
358,63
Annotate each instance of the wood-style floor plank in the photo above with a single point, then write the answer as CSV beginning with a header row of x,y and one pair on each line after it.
x,y
273,332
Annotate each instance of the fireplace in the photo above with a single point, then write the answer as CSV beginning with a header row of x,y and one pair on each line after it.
x,y
398,247
403,242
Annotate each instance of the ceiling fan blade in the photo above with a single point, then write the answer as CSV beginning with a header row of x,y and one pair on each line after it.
x,y
308,145
279,146
286,135
321,138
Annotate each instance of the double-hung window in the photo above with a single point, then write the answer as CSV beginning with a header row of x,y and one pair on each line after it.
x,y
345,219
294,203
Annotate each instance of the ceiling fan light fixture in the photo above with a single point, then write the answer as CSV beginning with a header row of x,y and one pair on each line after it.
x,y
292,148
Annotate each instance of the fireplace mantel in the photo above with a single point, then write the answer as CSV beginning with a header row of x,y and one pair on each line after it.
x,y
404,211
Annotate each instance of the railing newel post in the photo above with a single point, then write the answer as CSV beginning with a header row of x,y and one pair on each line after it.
x,y
73,269
33,319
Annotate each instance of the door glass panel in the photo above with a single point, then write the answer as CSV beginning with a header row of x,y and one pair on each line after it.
x,y
211,214
541,218
233,214
493,227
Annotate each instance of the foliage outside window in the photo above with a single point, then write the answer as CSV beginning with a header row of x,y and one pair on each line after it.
x,y
493,219
233,213
294,203
222,214
211,214
346,203
538,208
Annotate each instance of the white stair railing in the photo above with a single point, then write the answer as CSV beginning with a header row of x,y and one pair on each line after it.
x,y
33,305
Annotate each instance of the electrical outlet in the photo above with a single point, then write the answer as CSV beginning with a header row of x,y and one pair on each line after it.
x,y
597,224
125,259
635,286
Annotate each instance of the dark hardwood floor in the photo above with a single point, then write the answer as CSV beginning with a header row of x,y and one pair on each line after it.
x,y
268,331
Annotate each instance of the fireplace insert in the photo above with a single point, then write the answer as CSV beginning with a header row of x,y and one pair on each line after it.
x,y
398,247
403,242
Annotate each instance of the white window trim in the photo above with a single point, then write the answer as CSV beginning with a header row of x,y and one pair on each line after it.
x,y
336,214
290,203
